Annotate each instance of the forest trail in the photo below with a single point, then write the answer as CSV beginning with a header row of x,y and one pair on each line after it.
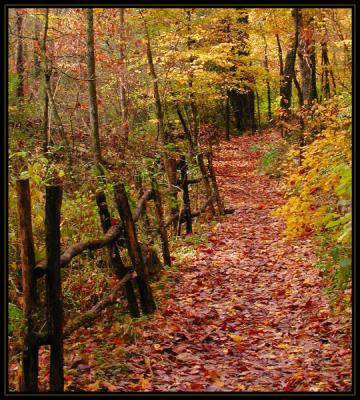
x,y
247,313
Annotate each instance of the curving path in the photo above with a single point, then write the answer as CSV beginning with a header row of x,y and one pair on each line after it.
x,y
247,312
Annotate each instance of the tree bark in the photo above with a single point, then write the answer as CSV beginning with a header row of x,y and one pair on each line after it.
x,y
29,378
289,68
307,59
46,83
123,97
268,91
169,162
19,55
243,99
37,45
93,109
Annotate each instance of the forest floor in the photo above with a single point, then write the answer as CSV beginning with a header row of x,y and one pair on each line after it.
x,y
246,312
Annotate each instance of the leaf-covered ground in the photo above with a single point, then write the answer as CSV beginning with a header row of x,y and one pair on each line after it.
x,y
245,312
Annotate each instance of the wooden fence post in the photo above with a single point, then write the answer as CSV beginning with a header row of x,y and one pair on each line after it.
x,y
53,286
208,189
116,261
186,197
214,183
160,218
29,379
146,298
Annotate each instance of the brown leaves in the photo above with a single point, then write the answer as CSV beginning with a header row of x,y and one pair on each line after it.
x,y
246,314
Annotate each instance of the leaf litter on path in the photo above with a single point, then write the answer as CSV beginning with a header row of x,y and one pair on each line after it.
x,y
246,313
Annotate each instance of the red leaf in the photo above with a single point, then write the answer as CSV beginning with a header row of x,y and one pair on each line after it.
x,y
114,221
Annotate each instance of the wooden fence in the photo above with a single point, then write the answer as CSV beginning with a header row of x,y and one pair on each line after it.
x,y
123,234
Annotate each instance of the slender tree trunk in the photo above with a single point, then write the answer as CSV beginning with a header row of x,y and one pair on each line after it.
x,y
307,59
268,91
281,61
19,55
243,105
123,98
258,108
289,68
94,118
45,84
64,139
325,76
169,162
37,62
243,101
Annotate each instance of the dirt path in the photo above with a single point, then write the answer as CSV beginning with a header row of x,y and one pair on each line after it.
x,y
247,312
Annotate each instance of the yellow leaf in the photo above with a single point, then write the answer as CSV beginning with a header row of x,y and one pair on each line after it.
x,y
110,387
282,346
235,338
157,347
94,387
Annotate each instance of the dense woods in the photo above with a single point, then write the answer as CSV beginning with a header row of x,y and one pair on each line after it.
x,y
145,143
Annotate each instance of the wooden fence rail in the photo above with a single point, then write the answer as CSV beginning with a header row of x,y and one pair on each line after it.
x,y
122,234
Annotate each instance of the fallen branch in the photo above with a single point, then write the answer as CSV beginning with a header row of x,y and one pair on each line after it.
x,y
106,301
77,248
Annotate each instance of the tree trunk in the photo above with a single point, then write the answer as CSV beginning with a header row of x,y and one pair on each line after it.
x,y
268,91
325,75
307,59
123,99
37,63
46,83
19,55
243,105
169,163
281,61
289,68
243,99
94,118
258,108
